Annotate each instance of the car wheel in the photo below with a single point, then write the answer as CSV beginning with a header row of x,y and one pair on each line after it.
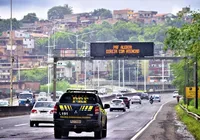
x,y
129,107
66,133
140,103
124,110
31,123
98,134
132,102
57,133
111,110
104,131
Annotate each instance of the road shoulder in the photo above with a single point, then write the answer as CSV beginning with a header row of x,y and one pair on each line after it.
x,y
166,126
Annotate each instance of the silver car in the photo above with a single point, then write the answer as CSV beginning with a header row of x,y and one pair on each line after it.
x,y
117,104
157,98
136,99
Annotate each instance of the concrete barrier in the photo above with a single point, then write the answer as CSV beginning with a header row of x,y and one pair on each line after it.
x,y
14,110
23,110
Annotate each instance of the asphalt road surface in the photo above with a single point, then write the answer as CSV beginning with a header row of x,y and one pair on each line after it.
x,y
121,125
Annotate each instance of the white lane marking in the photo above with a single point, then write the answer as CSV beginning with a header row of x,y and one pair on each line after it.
x,y
117,116
4,118
147,125
21,124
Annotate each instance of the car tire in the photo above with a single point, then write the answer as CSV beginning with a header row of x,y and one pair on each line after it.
x,y
132,102
57,133
129,107
104,131
66,133
31,123
124,110
111,110
140,103
98,134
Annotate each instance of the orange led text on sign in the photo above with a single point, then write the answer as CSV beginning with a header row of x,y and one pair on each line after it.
x,y
123,49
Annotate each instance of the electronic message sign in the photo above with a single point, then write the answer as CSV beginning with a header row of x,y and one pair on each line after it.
x,y
121,49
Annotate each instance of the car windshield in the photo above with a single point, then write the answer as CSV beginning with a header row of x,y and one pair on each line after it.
x,y
25,96
44,104
82,98
116,101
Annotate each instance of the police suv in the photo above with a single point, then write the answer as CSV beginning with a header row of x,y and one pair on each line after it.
x,y
80,111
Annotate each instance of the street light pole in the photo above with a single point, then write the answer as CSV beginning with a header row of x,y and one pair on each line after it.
x,y
129,74
123,73
12,58
85,68
112,74
119,73
163,75
137,66
98,71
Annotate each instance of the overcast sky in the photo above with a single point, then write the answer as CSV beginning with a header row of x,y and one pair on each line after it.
x,y
40,7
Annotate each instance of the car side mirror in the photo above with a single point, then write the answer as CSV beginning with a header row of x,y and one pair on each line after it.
x,y
106,106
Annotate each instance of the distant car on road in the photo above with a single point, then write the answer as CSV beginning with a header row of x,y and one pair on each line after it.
x,y
42,112
118,95
175,94
126,101
117,104
144,96
136,99
157,98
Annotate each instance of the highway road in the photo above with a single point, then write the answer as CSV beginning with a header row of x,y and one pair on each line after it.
x,y
121,125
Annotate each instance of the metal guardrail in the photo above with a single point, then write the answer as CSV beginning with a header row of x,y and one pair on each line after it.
x,y
195,116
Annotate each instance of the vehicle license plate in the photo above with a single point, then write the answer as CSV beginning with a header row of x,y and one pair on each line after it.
x,y
75,121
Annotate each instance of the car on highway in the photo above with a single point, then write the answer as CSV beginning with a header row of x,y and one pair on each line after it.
x,y
136,99
144,96
58,95
42,112
156,97
23,96
126,101
80,111
139,93
118,95
4,103
175,94
117,104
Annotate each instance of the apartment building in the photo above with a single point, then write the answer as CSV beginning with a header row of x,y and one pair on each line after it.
x,y
126,14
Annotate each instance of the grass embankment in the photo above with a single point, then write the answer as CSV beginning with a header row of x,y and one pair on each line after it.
x,y
192,124
191,107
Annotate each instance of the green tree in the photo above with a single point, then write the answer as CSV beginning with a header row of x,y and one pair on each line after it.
x,y
185,42
5,24
102,13
58,12
35,74
30,18
60,85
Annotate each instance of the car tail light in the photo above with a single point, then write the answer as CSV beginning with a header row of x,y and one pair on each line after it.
x,y
52,111
122,103
55,109
96,110
34,111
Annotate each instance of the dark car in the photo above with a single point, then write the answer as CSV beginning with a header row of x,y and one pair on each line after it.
x,y
80,111
144,96
126,101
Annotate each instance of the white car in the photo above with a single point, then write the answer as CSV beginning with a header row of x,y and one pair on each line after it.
x,y
4,103
157,98
175,94
42,112
117,104
136,99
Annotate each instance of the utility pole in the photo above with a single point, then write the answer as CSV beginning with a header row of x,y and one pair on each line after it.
x,y
196,83
163,81
11,58
137,66
129,77
98,71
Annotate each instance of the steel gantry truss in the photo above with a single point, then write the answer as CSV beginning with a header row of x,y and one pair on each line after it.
x,y
57,58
